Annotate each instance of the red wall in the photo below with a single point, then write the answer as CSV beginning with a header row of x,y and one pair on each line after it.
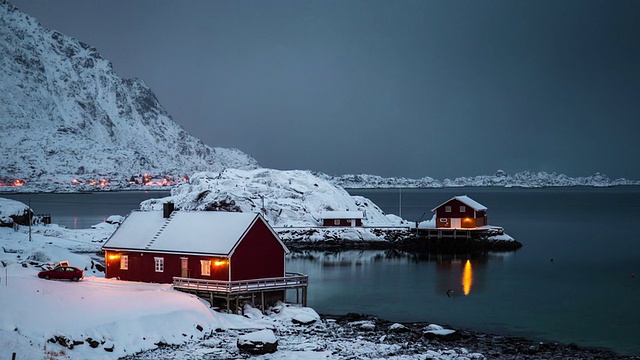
x,y
142,267
259,255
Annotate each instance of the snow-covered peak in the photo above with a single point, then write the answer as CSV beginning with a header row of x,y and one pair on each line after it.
x,y
65,113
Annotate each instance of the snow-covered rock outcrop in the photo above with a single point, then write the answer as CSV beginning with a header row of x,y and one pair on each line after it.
x,y
285,198
65,113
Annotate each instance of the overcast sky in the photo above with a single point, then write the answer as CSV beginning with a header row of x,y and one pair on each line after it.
x,y
434,88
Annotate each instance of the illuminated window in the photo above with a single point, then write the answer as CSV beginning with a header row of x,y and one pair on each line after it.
x,y
336,222
463,208
447,209
159,262
124,262
205,267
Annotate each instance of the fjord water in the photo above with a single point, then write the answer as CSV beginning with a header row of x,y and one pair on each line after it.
x,y
571,281
586,295
81,210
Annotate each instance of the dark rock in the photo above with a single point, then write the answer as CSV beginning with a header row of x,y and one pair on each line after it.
x,y
94,344
110,348
100,267
258,343
303,320
444,335
200,328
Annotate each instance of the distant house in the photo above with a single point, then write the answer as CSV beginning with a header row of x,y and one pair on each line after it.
x,y
156,246
460,212
342,218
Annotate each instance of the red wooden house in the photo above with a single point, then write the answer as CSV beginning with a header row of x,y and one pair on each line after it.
x,y
342,218
206,245
460,212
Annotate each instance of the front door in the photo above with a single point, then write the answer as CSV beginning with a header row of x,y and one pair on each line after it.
x,y
455,223
184,267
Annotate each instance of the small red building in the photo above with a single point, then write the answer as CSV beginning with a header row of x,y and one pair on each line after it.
x,y
342,218
460,212
206,245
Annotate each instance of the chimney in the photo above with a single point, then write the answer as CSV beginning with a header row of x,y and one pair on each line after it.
x,y
167,209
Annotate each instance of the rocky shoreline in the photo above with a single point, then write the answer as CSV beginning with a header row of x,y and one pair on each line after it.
x,y
416,341
401,241
361,336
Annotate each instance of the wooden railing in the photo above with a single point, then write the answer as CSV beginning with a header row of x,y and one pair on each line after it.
x,y
289,281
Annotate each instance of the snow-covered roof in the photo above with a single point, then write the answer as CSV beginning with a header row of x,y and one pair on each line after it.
x,y
184,232
342,215
465,200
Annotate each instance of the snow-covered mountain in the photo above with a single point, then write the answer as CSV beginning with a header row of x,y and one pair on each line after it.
x,y
525,179
285,198
65,113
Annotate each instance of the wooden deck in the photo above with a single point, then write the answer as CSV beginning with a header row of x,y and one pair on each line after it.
x,y
459,233
255,291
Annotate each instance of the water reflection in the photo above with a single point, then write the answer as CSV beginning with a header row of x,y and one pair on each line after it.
x,y
448,274
467,278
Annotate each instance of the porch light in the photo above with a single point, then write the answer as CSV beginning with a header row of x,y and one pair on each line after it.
x,y
220,262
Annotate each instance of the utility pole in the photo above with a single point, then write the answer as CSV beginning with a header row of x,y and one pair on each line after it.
x,y
30,219
400,202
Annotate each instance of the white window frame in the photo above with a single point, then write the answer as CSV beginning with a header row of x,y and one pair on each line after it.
x,y
124,262
447,208
443,220
463,208
205,267
159,264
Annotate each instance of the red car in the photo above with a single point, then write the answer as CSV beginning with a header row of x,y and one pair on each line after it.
x,y
62,272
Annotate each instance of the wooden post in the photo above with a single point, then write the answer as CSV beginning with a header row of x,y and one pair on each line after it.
x,y
304,296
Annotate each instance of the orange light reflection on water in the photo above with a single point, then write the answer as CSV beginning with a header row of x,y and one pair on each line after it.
x,y
467,278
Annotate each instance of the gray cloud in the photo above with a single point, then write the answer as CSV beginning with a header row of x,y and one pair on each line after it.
x,y
394,88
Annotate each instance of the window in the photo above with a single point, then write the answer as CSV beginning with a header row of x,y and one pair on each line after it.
x,y
443,220
124,262
159,264
447,209
205,267
336,222
463,208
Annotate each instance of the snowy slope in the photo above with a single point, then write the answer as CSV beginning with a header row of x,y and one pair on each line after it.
x,y
64,113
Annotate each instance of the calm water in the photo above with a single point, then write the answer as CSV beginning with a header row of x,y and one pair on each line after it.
x,y
80,211
586,295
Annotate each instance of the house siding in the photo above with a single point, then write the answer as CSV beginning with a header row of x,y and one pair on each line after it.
x,y
342,222
142,267
258,255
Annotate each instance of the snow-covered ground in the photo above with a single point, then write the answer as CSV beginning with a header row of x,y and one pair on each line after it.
x,y
109,319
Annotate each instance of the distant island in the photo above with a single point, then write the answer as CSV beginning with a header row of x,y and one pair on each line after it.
x,y
116,182
524,179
